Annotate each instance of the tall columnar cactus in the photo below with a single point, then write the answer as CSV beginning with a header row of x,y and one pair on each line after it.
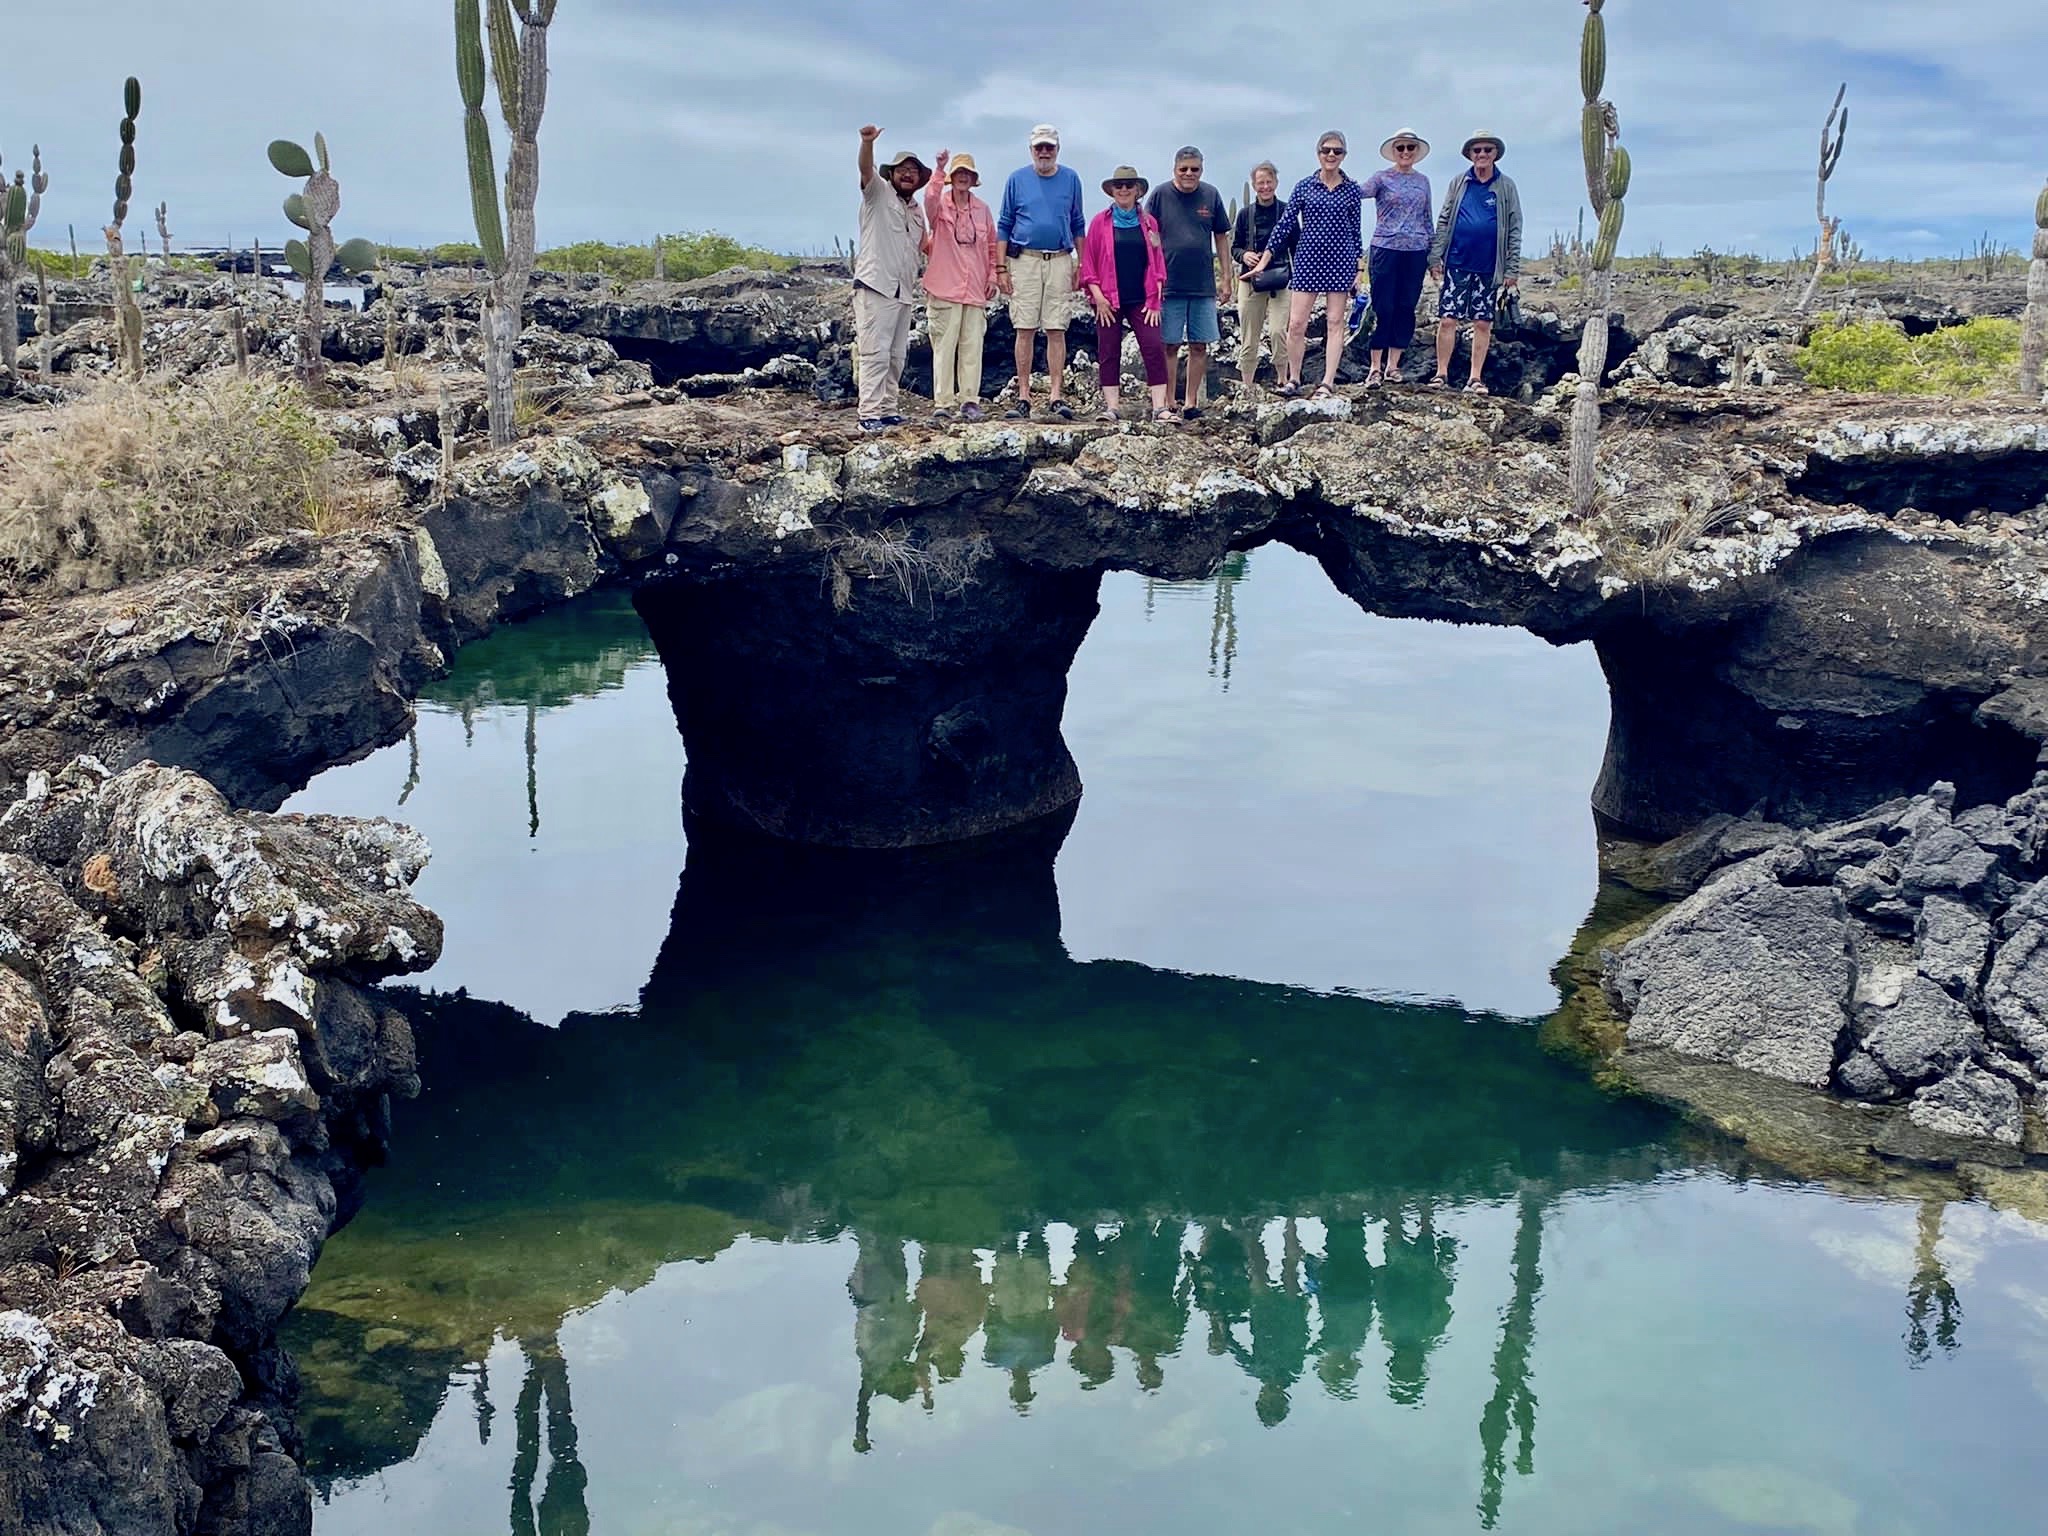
x,y
19,206
126,310
2034,334
519,65
313,208
1607,177
1832,138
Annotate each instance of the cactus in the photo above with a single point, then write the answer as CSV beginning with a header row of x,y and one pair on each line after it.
x,y
2034,331
519,66
1831,141
313,209
126,310
660,260
20,204
1608,171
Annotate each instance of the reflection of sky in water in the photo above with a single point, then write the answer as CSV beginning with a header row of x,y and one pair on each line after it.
x,y
1366,803
1379,804
1279,788
1700,1363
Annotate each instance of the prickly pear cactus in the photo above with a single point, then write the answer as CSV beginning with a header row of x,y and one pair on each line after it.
x,y
312,208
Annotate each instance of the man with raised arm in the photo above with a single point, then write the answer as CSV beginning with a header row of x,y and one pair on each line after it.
x,y
892,237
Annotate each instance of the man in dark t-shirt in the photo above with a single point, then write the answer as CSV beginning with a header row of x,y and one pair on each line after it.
x,y
1194,229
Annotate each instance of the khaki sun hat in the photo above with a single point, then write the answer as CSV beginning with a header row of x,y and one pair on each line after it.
x,y
1044,133
1500,149
1126,173
963,163
1387,145
907,157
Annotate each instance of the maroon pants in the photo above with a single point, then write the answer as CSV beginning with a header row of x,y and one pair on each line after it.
x,y
1110,339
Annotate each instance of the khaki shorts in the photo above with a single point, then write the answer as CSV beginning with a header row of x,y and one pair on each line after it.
x,y
1044,295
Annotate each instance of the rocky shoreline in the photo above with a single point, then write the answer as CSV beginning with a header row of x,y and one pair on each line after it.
x,y
195,1073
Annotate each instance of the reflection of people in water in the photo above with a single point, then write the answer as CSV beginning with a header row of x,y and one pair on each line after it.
x,y
562,1510
1157,1317
884,1326
1278,1313
1414,1288
1930,1292
1344,1295
1023,1333
1091,1305
954,1300
1222,1280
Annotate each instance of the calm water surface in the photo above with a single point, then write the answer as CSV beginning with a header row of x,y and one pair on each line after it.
x,y
1197,1168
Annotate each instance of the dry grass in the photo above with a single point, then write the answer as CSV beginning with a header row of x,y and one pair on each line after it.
x,y
1645,548
135,479
892,554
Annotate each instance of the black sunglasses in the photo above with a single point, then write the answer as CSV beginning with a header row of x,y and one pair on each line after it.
x,y
1331,149
1123,186
1401,148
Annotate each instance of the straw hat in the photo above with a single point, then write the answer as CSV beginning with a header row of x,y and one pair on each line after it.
x,y
963,163
1126,173
1500,149
1387,145
907,157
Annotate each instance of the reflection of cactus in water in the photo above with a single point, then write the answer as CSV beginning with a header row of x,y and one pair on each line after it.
x,y
563,1509
1930,1292
1514,1397
1223,623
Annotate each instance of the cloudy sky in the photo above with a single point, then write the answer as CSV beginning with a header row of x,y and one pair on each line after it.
x,y
683,114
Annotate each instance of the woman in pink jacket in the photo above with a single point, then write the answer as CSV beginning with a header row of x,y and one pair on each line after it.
x,y
1123,274
959,277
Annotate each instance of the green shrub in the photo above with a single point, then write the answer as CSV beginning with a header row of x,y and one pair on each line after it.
x,y
687,256
1878,357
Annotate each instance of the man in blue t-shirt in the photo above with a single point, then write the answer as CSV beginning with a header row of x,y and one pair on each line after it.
x,y
1476,253
1194,229
1040,231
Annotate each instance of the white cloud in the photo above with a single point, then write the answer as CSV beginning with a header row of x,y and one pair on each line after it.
x,y
681,113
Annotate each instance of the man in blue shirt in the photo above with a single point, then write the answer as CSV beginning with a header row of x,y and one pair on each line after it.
x,y
1040,229
1476,252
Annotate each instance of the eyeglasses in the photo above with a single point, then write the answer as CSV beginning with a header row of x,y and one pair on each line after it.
x,y
1331,149
1123,186
1045,149
1406,149
1187,170
1484,149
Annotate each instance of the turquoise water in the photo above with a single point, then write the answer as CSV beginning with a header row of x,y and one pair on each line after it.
x,y
1195,1168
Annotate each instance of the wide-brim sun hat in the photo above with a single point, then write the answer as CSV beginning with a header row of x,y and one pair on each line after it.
x,y
1387,145
963,163
1500,149
907,157
1125,173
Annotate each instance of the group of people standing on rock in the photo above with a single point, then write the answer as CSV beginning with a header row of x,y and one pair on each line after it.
x,y
1164,263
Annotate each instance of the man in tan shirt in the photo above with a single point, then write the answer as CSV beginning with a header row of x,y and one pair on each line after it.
x,y
892,236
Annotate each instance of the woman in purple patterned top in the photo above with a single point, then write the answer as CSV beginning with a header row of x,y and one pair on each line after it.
x,y
1400,251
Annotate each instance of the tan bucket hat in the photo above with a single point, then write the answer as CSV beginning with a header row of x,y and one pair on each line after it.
x,y
1500,149
1387,145
907,157
963,163
1126,173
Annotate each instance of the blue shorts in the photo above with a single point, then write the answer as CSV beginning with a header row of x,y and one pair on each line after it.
x,y
1184,320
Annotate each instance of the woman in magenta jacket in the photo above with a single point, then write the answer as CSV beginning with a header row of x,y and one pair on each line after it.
x,y
1123,274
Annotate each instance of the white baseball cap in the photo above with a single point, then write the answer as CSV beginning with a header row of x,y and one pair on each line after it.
x,y
1044,133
